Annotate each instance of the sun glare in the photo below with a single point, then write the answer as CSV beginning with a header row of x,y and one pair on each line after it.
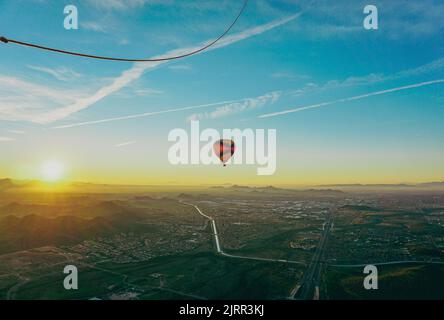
x,y
52,171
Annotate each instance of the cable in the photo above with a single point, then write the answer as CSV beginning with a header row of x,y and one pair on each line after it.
x,y
36,46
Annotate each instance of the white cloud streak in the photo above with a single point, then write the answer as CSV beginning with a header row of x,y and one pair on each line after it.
x,y
144,115
118,4
368,95
17,132
254,31
6,139
21,100
93,26
32,89
62,73
124,144
236,107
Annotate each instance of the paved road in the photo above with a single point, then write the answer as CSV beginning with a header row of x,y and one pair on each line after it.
x,y
308,287
219,249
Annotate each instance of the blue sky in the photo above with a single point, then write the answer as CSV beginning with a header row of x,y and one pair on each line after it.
x,y
282,55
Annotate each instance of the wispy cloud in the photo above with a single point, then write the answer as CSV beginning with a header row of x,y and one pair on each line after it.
x,y
237,107
124,5
402,19
6,139
21,100
124,42
17,132
354,98
118,4
92,26
288,75
426,68
61,73
16,84
369,79
124,144
147,92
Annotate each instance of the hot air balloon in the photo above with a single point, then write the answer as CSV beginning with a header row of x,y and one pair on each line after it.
x,y
224,150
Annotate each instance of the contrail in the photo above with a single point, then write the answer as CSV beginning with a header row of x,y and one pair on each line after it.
x,y
377,93
147,114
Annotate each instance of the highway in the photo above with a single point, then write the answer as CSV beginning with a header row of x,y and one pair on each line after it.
x,y
219,248
308,287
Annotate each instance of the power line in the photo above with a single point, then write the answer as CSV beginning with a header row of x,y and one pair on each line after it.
x,y
78,54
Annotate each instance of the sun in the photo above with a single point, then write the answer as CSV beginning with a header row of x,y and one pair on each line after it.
x,y
52,171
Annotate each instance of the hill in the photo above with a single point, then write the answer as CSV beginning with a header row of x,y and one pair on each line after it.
x,y
20,233
6,184
87,210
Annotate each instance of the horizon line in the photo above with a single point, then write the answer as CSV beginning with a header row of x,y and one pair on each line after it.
x,y
357,184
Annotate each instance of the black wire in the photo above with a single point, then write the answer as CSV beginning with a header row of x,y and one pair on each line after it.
x,y
36,46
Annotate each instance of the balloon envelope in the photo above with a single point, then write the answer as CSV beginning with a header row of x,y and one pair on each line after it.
x,y
224,149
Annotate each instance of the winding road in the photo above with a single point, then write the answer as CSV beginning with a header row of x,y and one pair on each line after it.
x,y
219,249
